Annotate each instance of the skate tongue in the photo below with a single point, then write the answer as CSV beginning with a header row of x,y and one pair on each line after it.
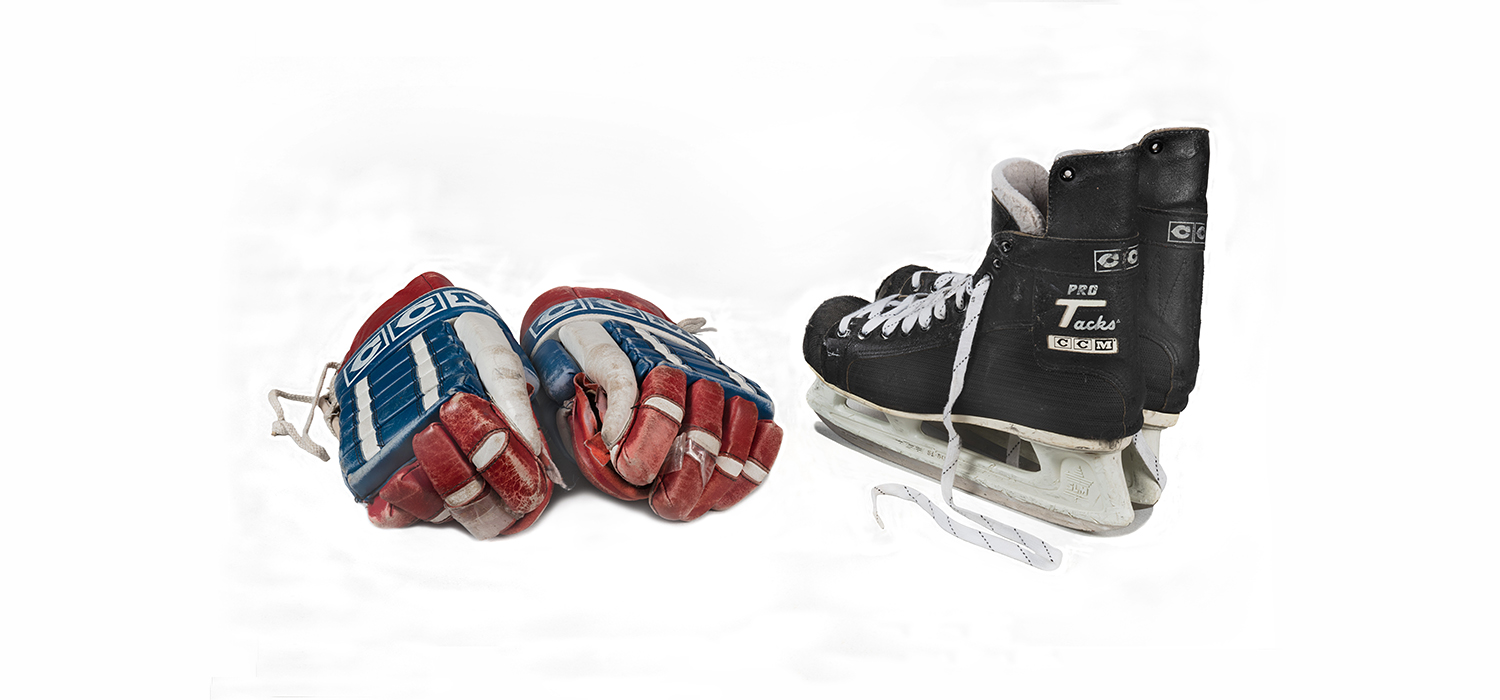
x,y
1020,189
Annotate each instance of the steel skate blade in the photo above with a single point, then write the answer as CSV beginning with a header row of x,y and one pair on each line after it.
x,y
1145,491
1076,489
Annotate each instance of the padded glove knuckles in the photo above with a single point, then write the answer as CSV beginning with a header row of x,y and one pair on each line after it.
x,y
646,408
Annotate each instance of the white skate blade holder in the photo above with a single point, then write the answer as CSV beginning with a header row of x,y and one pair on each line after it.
x,y
1077,487
1144,475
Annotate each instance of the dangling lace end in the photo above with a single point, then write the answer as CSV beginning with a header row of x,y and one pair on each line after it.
x,y
1148,456
695,325
1000,538
282,427
875,494
1011,542
319,400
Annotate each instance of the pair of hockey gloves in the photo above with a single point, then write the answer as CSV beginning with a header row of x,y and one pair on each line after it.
x,y
436,408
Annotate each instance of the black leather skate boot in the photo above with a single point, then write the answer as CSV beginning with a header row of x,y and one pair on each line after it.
x,y
1172,217
1046,390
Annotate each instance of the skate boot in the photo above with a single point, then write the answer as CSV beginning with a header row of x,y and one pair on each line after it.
x,y
1171,216
1044,337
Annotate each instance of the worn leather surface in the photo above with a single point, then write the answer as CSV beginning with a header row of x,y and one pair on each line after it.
x,y
1098,201
1172,218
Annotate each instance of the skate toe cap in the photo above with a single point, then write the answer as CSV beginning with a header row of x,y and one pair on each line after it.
x,y
822,323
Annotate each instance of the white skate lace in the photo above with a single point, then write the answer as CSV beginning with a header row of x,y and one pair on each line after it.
x,y
321,401
906,312
695,325
1152,463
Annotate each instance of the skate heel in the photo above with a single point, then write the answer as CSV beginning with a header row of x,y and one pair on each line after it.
x,y
1143,472
1079,488
1143,469
1172,219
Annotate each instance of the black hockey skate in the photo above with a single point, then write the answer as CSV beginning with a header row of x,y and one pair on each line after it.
x,y
1044,337
1172,214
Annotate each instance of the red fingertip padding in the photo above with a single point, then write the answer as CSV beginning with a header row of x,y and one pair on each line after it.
x,y
385,515
531,517
514,473
705,410
469,420
763,452
740,417
650,435
410,490
423,284
589,449
558,295
767,443
678,491
445,465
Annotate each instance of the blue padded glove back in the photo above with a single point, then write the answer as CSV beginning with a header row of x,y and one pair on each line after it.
x,y
648,340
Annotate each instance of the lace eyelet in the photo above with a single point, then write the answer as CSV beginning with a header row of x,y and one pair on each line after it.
x,y
1155,147
1005,246
1067,174
843,334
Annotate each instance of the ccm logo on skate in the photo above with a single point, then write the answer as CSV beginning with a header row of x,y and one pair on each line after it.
x,y
1187,232
1071,308
1117,259
1091,346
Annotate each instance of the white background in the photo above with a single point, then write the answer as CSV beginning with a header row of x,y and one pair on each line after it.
x,y
198,206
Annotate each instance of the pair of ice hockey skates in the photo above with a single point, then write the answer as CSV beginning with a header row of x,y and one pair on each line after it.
x,y
1053,368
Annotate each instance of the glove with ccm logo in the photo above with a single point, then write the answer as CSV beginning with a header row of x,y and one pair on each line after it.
x,y
647,410
431,406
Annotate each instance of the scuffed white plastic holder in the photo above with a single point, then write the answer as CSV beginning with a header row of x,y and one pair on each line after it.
x,y
1074,488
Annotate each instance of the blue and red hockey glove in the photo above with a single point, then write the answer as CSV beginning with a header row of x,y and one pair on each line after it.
x,y
432,409
643,405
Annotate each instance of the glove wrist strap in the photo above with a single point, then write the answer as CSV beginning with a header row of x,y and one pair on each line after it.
x,y
320,401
